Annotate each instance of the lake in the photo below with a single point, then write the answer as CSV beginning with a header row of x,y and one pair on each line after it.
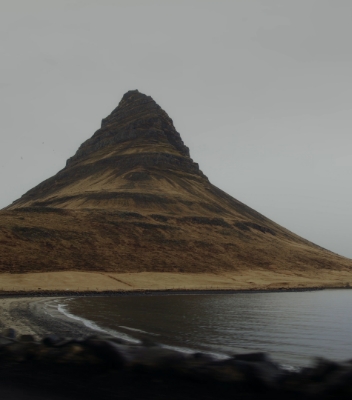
x,y
293,327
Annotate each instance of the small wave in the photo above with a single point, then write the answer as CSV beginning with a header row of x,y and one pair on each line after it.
x,y
92,325
187,350
138,330
290,368
50,307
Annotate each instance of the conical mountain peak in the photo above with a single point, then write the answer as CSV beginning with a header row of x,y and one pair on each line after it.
x,y
132,200
136,117
134,103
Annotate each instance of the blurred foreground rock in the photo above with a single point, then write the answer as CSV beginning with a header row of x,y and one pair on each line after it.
x,y
100,367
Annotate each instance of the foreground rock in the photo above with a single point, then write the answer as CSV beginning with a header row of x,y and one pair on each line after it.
x,y
109,368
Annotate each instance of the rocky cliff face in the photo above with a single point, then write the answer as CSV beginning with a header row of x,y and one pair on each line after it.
x,y
136,117
132,199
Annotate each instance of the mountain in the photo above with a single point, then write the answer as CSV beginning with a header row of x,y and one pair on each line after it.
x,y
131,200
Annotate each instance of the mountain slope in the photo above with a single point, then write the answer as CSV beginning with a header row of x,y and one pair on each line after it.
x,y
131,199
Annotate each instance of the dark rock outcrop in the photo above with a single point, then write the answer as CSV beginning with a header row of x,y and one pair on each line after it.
x,y
105,367
137,117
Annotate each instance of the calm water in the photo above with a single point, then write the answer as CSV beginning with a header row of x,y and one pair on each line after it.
x,y
293,327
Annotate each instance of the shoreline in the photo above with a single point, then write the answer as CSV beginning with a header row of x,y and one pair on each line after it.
x,y
69,350
151,292
26,312
29,316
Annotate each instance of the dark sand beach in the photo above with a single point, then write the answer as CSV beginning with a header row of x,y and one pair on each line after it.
x,y
27,315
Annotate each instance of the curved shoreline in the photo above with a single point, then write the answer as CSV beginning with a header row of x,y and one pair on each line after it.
x,y
38,366
165,292
27,312
27,315
85,355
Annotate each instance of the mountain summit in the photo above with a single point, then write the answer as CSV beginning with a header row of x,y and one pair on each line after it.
x,y
136,161
132,200
136,158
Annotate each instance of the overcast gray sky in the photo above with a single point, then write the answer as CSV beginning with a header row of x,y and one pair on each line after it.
x,y
260,90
